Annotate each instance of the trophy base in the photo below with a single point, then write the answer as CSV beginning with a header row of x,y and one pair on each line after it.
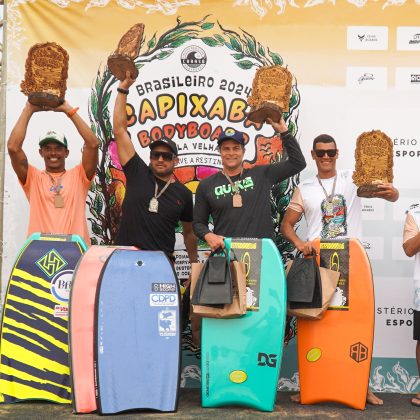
x,y
119,64
264,111
368,190
45,99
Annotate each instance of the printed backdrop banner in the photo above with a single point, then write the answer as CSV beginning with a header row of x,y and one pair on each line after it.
x,y
355,66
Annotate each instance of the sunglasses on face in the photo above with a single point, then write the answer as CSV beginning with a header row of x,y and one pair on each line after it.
x,y
329,152
167,156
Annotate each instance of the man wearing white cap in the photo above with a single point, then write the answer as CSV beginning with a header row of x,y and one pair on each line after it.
x,y
57,197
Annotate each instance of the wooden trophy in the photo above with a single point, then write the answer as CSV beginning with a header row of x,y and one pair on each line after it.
x,y
46,71
271,89
374,162
122,60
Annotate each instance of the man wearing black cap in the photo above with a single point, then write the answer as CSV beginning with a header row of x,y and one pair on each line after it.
x,y
57,196
154,201
238,199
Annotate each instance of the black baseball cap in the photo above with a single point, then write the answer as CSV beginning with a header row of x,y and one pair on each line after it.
x,y
231,134
165,142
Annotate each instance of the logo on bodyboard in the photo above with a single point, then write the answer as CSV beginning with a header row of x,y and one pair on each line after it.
x,y
163,299
265,359
359,352
61,284
163,287
313,354
238,376
51,263
167,323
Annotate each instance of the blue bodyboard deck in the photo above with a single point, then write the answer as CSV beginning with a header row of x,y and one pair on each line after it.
x,y
138,337
241,357
34,345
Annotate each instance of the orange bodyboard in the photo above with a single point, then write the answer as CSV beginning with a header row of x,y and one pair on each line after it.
x,y
335,353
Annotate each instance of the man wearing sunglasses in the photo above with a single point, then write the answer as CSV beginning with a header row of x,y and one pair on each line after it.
x,y
154,201
330,205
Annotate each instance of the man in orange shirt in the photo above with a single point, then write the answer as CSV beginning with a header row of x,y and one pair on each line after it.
x,y
57,197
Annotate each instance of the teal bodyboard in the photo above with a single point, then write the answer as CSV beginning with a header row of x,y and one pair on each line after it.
x,y
241,357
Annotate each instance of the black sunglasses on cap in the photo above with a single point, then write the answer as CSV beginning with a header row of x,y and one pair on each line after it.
x,y
329,152
165,155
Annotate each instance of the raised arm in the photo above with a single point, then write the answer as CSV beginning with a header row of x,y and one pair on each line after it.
x,y
125,146
16,139
295,162
91,143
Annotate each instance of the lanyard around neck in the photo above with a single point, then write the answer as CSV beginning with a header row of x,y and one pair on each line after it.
x,y
330,196
234,186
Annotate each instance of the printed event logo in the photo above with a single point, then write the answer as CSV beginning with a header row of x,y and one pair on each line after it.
x,y
194,81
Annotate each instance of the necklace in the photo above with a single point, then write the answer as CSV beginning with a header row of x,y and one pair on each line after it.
x,y
154,203
56,187
237,198
329,197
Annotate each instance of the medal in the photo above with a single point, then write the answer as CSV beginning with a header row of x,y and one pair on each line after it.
x,y
153,205
236,197
58,201
56,187
237,200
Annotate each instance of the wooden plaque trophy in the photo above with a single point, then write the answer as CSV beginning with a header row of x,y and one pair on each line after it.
x,y
122,60
271,89
374,162
46,71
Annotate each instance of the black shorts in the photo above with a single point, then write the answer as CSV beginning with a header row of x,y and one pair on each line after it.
x,y
416,325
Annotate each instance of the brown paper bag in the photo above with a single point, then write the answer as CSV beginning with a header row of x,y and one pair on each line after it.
x,y
329,281
238,305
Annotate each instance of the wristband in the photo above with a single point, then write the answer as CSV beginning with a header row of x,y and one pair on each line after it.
x,y
123,91
72,112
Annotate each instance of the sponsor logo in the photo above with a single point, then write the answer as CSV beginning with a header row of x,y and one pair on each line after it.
x,y
415,39
193,58
269,360
367,38
408,38
167,323
163,299
243,184
163,287
61,311
51,263
365,77
367,245
313,354
359,352
238,376
415,78
61,284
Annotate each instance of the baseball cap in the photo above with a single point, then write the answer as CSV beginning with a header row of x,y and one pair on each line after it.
x,y
165,142
231,134
53,136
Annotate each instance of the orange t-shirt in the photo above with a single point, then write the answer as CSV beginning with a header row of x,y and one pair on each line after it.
x,y
44,217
